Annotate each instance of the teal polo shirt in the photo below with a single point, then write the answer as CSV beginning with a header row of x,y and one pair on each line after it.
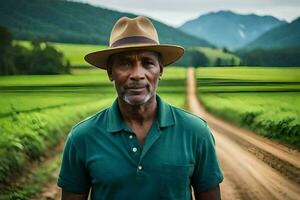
x,y
103,153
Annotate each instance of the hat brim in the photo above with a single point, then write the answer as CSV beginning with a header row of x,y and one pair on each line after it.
x,y
170,53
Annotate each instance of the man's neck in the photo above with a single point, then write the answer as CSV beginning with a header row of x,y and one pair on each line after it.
x,y
138,114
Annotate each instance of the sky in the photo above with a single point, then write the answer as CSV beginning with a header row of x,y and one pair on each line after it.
x,y
176,12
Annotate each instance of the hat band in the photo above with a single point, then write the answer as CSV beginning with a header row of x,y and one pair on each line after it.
x,y
133,40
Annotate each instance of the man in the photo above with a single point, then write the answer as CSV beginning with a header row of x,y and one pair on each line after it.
x,y
140,147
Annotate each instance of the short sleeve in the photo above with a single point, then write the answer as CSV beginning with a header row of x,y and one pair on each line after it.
x,y
73,176
207,173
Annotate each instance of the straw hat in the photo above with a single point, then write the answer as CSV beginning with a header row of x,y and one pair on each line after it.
x,y
134,34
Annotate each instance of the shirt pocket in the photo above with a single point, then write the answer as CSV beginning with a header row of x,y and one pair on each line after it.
x,y
175,181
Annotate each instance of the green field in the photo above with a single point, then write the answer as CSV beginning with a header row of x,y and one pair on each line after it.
x,y
37,111
214,54
265,100
48,91
73,52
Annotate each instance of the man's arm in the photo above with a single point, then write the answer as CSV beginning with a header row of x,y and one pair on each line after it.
x,y
73,196
213,194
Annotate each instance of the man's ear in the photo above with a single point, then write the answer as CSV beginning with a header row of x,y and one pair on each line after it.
x,y
109,73
161,68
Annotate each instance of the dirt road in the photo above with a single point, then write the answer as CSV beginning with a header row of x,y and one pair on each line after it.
x,y
246,176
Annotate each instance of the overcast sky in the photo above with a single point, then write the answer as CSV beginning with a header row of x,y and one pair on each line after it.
x,y
175,13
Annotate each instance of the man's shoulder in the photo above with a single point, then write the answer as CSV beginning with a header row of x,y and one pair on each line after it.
x,y
189,120
191,125
187,116
88,125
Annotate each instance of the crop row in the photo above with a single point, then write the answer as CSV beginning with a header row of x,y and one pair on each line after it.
x,y
27,136
240,95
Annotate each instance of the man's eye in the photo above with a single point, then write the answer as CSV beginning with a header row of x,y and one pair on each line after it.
x,y
149,63
124,63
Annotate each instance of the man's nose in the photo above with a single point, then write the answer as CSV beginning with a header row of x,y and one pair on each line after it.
x,y
138,72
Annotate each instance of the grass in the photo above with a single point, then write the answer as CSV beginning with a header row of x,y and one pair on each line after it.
x,y
172,87
73,52
76,52
262,74
265,100
28,105
50,91
27,136
36,182
38,111
214,54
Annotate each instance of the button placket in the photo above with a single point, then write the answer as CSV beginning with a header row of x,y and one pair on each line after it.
x,y
134,149
154,134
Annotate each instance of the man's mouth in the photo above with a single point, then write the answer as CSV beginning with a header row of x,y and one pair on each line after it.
x,y
136,88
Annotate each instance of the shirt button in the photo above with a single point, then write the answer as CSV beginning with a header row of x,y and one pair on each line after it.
x,y
134,149
130,136
140,167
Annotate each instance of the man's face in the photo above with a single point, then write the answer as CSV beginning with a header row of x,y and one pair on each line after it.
x,y
136,75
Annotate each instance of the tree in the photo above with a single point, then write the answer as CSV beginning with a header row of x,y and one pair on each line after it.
x,y
272,57
68,67
46,60
6,62
225,50
232,61
218,62
193,57
198,58
42,59
21,59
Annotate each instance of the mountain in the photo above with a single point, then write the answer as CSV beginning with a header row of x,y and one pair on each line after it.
x,y
73,22
284,36
228,29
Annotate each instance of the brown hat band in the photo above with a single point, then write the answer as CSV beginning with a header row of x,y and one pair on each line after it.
x,y
133,40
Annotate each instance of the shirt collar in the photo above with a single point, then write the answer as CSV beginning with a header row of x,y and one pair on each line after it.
x,y
165,116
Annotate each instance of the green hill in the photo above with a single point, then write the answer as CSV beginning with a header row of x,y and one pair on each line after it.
x,y
219,55
72,22
75,53
205,57
284,36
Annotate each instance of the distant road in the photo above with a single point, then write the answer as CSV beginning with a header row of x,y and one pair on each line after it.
x,y
246,176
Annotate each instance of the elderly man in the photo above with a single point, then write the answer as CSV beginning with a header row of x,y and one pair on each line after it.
x,y
140,147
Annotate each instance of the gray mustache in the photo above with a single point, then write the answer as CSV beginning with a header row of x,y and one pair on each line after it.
x,y
135,85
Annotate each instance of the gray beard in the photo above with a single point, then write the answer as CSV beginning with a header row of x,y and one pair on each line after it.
x,y
146,98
